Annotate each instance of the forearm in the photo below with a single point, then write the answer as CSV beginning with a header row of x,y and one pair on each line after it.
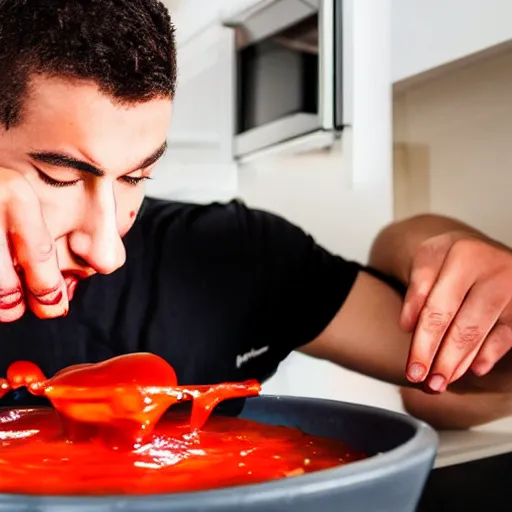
x,y
450,411
395,246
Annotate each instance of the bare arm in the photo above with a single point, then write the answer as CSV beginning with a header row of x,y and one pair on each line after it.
x,y
450,411
365,336
393,253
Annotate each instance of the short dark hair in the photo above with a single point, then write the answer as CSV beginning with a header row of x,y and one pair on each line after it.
x,y
127,47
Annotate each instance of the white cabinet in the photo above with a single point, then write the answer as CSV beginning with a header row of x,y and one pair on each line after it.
x,y
431,33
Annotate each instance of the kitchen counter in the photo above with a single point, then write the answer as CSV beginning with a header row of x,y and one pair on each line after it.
x,y
457,447
472,471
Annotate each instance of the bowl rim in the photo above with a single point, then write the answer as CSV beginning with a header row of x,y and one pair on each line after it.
x,y
420,449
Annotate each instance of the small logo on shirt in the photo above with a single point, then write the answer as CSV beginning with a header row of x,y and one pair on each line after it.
x,y
253,353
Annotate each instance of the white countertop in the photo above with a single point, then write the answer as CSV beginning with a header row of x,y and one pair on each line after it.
x,y
456,447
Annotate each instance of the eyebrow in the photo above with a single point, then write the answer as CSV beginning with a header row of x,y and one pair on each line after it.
x,y
62,160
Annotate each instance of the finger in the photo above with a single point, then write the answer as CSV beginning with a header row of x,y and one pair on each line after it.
x,y
475,319
496,346
426,268
35,252
440,308
12,304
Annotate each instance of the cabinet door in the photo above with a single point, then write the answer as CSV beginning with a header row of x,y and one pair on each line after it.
x,y
199,165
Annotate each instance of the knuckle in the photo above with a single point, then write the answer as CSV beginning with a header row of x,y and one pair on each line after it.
x,y
465,245
434,247
499,342
484,360
417,294
427,252
37,253
502,333
48,295
10,298
44,252
421,279
13,315
6,178
467,249
467,336
435,321
494,303
18,189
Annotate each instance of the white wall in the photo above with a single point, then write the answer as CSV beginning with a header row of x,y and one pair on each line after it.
x,y
193,16
457,134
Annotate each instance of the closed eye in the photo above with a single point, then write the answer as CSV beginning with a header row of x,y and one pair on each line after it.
x,y
55,183
130,180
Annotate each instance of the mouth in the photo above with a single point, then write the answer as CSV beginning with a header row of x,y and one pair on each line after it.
x,y
72,278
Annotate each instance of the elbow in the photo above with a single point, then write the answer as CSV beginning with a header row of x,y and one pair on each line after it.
x,y
437,413
380,249
390,231
387,247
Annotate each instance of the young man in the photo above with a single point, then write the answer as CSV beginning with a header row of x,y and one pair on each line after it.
x,y
85,101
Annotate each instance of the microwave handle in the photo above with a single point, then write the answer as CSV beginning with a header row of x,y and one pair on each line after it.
x,y
334,63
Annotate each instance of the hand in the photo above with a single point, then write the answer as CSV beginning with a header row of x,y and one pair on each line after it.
x,y
459,305
29,272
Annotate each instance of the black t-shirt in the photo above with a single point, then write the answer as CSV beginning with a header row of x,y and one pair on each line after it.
x,y
222,292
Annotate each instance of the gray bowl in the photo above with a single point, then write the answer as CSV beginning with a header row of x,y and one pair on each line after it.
x,y
402,452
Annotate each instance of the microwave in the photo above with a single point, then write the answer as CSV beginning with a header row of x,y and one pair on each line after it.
x,y
291,72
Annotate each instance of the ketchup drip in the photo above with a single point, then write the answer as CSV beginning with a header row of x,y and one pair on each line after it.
x,y
110,433
125,396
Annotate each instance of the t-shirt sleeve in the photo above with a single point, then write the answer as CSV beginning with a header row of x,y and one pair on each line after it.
x,y
239,288
305,285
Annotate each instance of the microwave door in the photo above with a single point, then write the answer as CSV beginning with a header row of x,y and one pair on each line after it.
x,y
278,87
293,71
281,130
332,83
342,63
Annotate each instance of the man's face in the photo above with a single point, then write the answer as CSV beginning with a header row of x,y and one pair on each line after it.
x,y
86,158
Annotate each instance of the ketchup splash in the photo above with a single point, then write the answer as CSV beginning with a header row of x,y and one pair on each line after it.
x,y
110,433
126,394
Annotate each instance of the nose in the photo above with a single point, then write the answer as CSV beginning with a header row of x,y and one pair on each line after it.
x,y
98,241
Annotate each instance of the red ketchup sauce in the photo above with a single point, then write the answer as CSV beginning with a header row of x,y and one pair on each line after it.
x,y
109,432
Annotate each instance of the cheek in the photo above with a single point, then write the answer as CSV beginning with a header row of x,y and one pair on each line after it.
x,y
63,209
127,210
125,224
128,224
